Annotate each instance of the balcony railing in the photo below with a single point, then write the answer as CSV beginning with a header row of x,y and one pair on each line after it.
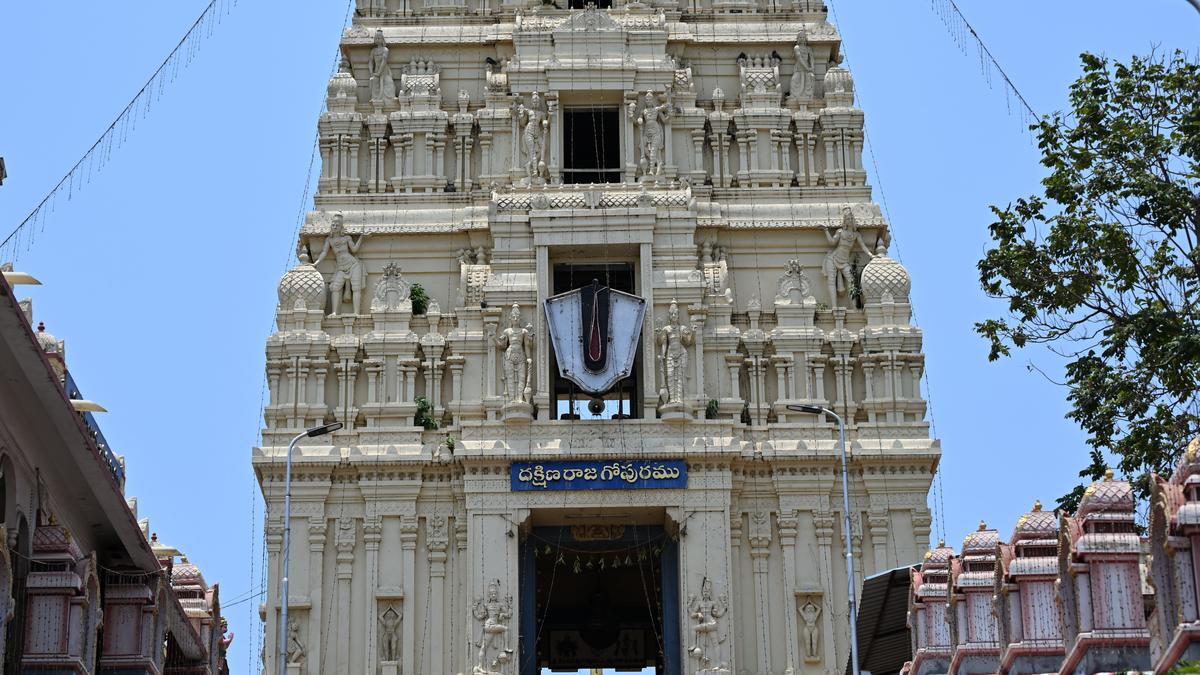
x,y
106,453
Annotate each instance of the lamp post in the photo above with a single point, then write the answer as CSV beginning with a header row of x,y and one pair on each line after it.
x,y
287,516
817,410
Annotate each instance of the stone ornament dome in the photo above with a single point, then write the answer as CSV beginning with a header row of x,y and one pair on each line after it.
x,y
1107,496
1036,524
937,558
342,90
302,287
838,80
883,278
981,542
46,341
185,573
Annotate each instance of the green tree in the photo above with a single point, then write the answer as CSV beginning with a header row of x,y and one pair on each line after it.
x,y
1102,268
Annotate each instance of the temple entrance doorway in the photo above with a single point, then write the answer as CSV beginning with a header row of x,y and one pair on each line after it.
x,y
600,594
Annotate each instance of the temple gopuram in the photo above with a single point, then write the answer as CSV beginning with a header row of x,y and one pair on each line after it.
x,y
570,269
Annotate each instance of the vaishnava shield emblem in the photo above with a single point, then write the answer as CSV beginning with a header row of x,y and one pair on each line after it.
x,y
595,331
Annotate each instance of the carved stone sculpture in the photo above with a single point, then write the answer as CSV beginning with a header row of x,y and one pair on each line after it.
x,y
295,650
534,121
389,634
349,269
493,633
674,338
517,343
652,121
759,74
837,266
707,611
383,87
810,613
495,79
803,76
793,282
392,291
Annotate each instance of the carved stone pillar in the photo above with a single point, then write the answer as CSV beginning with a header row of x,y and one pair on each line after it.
x,y
554,165
377,145
274,544
698,314
760,542
316,558
437,540
823,524
408,554
345,539
880,523
398,152
698,151
372,536
788,526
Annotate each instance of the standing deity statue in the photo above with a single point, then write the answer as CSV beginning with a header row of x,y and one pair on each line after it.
x,y
707,611
803,76
295,650
517,343
383,87
653,120
673,339
810,612
494,614
837,264
389,637
349,269
534,121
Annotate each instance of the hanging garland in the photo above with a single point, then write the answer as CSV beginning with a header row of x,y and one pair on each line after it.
x,y
97,156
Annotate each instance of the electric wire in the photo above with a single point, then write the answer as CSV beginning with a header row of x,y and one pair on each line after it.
x,y
116,133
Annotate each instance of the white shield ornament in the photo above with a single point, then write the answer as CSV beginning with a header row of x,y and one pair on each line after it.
x,y
595,332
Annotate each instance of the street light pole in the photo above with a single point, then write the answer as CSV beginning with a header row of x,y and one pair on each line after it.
x,y
287,516
817,410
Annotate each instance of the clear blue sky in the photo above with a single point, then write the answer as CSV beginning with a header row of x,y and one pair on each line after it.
x,y
161,273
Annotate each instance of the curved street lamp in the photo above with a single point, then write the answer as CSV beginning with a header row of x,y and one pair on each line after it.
x,y
287,528
819,410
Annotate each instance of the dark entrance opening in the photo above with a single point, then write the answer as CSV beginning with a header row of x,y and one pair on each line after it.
x,y
592,145
620,401
602,596
582,4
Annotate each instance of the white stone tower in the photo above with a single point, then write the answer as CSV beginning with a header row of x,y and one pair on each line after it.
x,y
483,511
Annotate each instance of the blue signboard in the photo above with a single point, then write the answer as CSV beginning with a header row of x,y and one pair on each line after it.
x,y
599,475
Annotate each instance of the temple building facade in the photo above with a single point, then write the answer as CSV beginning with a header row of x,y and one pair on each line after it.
x,y
85,586
568,267
1068,593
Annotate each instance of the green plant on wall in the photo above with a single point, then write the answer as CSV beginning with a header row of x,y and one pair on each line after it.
x,y
420,299
712,409
424,418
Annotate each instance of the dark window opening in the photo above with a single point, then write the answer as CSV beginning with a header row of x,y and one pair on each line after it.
x,y
591,145
583,4
620,402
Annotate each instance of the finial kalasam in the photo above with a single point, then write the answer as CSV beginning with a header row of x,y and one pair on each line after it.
x,y
1037,505
941,543
982,526
1108,474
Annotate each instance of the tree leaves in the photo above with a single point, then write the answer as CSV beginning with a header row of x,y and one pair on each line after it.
x,y
1103,268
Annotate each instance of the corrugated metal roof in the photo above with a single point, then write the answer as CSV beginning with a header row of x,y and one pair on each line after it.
x,y
883,639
